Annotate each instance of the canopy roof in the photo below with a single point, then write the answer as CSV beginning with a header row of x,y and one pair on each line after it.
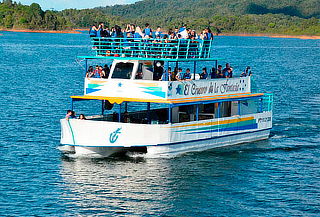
x,y
190,100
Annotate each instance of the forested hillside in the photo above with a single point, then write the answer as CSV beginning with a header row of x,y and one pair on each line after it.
x,y
294,17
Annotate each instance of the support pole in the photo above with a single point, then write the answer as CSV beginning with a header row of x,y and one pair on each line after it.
x,y
194,70
169,114
71,104
261,105
239,107
86,65
197,112
148,113
119,115
219,109
102,106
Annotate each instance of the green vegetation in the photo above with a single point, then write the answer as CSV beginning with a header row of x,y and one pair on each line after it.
x,y
292,17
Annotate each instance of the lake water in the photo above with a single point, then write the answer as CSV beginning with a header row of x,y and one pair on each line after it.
x,y
276,177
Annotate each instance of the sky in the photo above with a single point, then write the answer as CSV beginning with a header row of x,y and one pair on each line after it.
x,y
79,4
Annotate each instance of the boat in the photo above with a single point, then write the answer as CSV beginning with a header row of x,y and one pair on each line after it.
x,y
160,118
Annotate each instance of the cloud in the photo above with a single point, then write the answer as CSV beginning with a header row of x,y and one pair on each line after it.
x,y
79,4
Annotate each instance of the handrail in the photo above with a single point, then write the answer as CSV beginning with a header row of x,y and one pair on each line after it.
x,y
152,48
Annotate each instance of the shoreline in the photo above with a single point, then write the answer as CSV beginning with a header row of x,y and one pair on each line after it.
x,y
78,31
314,37
42,31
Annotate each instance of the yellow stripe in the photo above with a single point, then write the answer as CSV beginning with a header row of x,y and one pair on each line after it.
x,y
147,84
216,122
119,100
96,82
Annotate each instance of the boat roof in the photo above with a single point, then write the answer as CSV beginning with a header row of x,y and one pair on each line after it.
x,y
176,102
149,59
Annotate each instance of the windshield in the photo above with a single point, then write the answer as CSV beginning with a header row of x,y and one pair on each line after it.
x,y
122,70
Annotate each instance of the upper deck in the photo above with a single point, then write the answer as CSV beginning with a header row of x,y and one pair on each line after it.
x,y
143,48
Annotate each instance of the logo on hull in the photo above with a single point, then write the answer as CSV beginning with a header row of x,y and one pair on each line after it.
x,y
114,135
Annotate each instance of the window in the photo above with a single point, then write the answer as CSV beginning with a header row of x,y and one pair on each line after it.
x,y
122,70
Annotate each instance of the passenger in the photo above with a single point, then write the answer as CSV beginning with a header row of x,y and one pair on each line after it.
x,y
174,74
179,76
158,32
246,72
93,31
138,33
100,29
82,117
214,73
187,75
89,73
229,73
96,73
183,31
204,74
70,115
220,72
106,71
166,76
105,32
139,75
147,30
208,34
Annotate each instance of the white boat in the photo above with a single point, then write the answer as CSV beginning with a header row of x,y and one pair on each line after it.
x,y
164,118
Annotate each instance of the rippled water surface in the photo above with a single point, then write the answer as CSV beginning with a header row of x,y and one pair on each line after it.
x,y
277,177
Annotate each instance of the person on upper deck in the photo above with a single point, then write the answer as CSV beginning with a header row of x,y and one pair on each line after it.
x,y
208,34
187,75
158,32
183,32
138,33
147,30
93,31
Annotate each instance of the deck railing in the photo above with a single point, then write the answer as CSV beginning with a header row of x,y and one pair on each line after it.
x,y
267,101
152,48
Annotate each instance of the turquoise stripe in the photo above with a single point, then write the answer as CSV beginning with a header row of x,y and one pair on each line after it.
x,y
74,142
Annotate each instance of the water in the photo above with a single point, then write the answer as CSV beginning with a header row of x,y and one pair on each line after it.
x,y
277,177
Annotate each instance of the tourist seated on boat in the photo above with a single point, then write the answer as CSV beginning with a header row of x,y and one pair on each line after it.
x,y
106,71
82,117
227,71
220,73
214,73
89,72
147,30
246,72
187,75
166,76
70,115
174,74
139,75
204,74
180,75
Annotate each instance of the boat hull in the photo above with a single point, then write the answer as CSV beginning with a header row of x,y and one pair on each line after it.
x,y
167,140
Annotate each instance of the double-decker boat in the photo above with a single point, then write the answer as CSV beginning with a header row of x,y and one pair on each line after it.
x,y
163,118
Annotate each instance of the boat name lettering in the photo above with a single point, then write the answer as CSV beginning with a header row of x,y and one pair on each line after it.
x,y
212,87
266,119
